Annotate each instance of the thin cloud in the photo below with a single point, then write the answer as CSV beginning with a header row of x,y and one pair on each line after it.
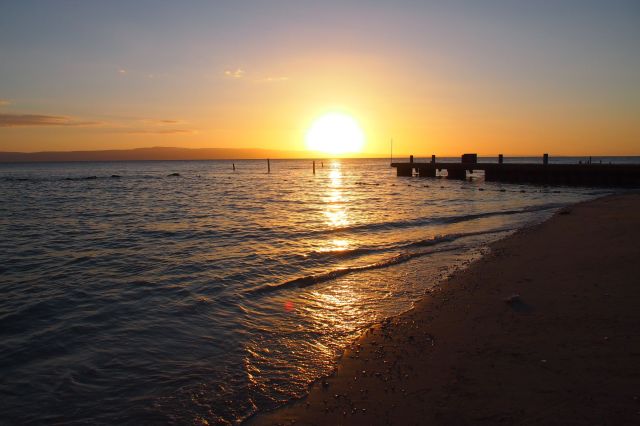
x,y
154,124
155,75
159,126
39,120
274,79
4,102
237,73
149,126
160,131
159,121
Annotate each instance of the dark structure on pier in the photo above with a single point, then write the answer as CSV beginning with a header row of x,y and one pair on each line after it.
x,y
586,174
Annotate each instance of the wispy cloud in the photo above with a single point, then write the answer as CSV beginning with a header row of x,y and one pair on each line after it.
x,y
155,126
4,102
39,120
155,75
237,73
159,131
162,122
139,73
140,127
273,79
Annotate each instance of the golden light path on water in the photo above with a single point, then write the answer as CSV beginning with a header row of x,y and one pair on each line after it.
x,y
343,301
335,199
331,313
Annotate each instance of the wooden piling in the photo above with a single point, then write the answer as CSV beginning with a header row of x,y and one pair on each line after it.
x,y
268,166
500,159
314,167
545,159
433,159
411,158
404,170
234,166
427,171
456,173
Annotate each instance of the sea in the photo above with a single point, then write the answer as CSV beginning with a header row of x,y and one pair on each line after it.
x,y
187,292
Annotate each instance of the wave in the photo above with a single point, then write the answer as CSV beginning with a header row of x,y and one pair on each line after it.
x,y
309,280
78,178
445,220
268,233
394,260
16,179
361,251
54,179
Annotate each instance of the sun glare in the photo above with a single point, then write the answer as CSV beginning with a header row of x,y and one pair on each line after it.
x,y
335,133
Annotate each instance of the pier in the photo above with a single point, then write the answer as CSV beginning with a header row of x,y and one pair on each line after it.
x,y
584,174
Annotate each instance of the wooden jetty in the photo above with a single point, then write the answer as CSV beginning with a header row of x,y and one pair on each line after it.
x,y
585,174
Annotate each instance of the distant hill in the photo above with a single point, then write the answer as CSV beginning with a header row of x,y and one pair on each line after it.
x,y
156,153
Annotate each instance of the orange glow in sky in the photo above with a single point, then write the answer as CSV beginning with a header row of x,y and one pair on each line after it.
x,y
519,78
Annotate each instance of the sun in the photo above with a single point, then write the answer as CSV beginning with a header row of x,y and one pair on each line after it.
x,y
335,133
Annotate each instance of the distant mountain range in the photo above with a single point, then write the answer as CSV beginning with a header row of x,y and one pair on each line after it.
x,y
155,153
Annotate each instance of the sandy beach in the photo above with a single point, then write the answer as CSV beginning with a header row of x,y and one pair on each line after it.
x,y
542,330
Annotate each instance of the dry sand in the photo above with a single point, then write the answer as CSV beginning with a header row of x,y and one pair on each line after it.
x,y
565,351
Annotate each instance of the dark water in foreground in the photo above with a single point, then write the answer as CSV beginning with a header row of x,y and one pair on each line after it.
x,y
210,295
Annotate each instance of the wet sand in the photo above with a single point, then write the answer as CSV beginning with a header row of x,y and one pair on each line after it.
x,y
545,329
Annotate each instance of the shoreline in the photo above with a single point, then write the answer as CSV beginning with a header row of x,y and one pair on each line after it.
x,y
542,329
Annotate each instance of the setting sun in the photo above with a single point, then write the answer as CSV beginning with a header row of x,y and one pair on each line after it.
x,y
335,133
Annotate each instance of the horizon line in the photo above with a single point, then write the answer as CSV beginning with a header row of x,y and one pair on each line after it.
x,y
363,155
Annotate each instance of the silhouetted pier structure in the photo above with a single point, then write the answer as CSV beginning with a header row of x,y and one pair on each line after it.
x,y
585,174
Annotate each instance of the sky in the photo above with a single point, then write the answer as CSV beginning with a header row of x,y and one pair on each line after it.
x,y
442,77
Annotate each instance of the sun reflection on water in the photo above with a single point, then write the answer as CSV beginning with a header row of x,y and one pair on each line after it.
x,y
313,327
336,198
335,175
342,305
338,245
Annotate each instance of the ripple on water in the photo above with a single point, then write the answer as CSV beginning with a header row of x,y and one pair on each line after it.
x,y
133,300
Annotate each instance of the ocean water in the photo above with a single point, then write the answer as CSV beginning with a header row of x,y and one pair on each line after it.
x,y
209,296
